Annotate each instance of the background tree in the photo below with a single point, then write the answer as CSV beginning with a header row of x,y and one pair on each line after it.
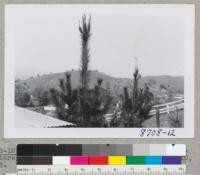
x,y
55,97
42,96
22,94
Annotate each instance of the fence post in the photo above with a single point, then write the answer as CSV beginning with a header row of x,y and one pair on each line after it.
x,y
157,117
168,109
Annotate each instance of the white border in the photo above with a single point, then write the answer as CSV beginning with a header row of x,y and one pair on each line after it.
x,y
9,125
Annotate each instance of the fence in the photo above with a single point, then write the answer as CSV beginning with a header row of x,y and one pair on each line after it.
x,y
167,107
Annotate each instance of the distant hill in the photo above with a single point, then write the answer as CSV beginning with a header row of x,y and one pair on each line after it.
x,y
175,84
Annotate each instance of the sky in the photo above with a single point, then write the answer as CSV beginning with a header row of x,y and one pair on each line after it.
x,y
46,38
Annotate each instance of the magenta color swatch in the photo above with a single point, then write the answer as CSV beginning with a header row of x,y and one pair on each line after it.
x,y
79,160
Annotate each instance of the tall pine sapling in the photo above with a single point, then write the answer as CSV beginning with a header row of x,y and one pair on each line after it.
x,y
93,102
85,34
85,106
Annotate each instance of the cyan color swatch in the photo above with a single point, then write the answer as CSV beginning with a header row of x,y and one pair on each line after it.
x,y
154,160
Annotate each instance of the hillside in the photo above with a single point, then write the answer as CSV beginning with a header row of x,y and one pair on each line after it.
x,y
175,84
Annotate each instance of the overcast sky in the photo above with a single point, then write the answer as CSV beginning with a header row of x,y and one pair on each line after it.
x,y
46,38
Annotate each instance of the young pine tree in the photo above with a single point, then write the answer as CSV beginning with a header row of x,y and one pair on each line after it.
x,y
135,109
65,99
85,33
85,106
93,102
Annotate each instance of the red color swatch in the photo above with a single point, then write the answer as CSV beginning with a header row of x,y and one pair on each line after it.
x,y
98,160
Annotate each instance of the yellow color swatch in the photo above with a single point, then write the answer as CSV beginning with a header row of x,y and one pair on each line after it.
x,y
117,160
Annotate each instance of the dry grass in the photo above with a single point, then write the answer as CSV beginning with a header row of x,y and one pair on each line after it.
x,y
165,121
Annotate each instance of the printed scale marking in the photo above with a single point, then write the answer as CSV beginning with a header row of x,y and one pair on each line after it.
x,y
101,170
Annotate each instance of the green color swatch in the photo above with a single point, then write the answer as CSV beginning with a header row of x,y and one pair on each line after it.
x,y
135,160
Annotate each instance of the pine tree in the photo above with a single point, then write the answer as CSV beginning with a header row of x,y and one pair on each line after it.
x,y
94,102
136,78
65,99
56,99
85,34
86,106
100,100
127,100
135,109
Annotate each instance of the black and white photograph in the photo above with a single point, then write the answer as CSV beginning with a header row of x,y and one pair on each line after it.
x,y
99,67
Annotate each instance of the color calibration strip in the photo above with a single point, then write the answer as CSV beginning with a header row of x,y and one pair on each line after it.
x,y
101,150
100,160
138,154
137,159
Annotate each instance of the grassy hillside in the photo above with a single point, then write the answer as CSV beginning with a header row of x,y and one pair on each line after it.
x,y
175,84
